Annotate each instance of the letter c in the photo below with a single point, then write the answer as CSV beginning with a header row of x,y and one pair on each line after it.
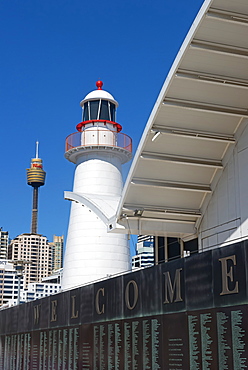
x,y
98,310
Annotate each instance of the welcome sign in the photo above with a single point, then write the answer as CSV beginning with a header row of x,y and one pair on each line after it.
x,y
190,313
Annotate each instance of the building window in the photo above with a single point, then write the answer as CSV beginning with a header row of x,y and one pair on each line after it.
x,y
191,246
174,248
161,249
168,249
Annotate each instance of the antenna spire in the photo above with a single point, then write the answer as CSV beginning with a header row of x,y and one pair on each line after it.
x,y
37,149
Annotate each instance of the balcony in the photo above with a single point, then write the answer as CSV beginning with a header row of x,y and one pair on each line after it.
x,y
98,137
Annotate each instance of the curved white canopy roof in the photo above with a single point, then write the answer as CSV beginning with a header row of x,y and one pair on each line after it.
x,y
193,126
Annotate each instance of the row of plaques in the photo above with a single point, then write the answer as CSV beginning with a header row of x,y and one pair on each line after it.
x,y
197,340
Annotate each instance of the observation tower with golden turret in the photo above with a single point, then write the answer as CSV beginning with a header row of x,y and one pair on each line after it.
x,y
35,178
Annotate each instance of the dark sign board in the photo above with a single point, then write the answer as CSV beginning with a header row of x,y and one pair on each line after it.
x,y
191,313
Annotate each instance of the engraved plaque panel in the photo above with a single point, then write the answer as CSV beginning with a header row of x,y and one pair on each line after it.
x,y
239,326
151,291
132,295
86,346
199,281
2,345
54,354
86,304
35,346
229,275
74,306
175,341
173,286
118,345
208,334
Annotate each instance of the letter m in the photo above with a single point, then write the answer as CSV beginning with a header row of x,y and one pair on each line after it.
x,y
173,291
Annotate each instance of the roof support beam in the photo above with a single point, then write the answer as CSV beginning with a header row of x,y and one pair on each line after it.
x,y
164,210
181,159
227,16
201,106
161,219
215,79
172,185
195,134
220,48
153,226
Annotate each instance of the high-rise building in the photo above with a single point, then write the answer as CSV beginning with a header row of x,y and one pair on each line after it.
x,y
35,249
9,282
4,241
57,247
147,239
158,249
39,290
144,252
54,278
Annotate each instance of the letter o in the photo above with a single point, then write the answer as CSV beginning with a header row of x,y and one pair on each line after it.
x,y
136,294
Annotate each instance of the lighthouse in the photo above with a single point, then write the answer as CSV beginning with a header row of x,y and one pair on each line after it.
x,y
98,149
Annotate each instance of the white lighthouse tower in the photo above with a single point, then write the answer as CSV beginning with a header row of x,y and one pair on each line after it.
x,y
98,149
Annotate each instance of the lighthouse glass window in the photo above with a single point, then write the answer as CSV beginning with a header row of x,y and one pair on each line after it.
x,y
112,112
99,109
94,108
104,110
86,112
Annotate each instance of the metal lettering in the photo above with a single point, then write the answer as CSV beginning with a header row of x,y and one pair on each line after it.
x,y
74,314
127,295
53,310
228,274
37,314
176,287
98,310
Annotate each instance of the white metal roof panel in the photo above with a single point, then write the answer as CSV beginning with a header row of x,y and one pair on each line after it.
x,y
172,169
185,146
163,197
197,59
237,6
174,117
198,90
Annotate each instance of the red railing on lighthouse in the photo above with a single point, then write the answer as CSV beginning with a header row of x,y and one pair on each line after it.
x,y
98,137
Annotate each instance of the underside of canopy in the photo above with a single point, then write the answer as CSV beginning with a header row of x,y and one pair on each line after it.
x,y
192,129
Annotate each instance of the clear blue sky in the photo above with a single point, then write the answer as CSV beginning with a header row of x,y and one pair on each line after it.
x,y
52,53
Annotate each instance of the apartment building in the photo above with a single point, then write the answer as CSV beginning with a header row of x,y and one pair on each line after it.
x,y
35,249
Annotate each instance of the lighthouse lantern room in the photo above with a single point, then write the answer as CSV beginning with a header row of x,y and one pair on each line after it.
x,y
98,149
